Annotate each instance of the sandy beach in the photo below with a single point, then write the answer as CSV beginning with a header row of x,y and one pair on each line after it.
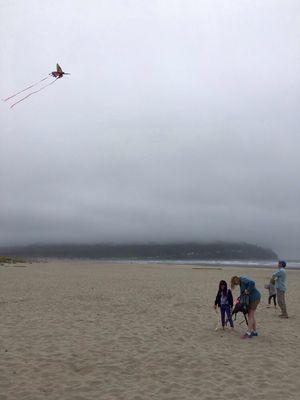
x,y
73,330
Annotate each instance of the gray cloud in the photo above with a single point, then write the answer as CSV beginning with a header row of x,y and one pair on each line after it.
x,y
179,122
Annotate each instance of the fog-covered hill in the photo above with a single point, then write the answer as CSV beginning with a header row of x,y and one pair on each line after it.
x,y
186,251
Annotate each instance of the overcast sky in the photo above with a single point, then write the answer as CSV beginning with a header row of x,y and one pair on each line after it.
x,y
180,121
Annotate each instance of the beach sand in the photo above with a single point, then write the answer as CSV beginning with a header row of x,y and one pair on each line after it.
x,y
73,330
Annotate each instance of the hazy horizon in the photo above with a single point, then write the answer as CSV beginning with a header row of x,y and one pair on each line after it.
x,y
179,122
133,243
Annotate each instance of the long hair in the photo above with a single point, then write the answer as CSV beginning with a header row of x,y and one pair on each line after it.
x,y
235,280
224,290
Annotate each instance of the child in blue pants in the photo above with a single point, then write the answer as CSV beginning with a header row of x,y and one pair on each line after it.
x,y
224,301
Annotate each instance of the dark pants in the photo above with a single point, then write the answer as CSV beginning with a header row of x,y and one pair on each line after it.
x,y
225,309
274,299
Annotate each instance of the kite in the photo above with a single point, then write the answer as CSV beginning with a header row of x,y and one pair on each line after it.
x,y
59,73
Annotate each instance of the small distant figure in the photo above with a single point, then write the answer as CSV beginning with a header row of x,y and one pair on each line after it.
x,y
224,301
272,292
280,285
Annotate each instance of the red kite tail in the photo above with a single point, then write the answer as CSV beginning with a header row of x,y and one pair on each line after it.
x,y
36,91
29,87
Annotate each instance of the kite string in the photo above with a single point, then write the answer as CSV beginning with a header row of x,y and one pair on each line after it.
x,y
36,91
29,87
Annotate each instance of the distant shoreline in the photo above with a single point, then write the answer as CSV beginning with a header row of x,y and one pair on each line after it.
x,y
201,264
207,264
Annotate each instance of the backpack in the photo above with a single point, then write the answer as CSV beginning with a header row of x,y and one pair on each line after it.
x,y
241,305
244,300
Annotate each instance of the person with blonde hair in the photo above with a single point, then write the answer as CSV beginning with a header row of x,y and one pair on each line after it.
x,y
272,292
247,287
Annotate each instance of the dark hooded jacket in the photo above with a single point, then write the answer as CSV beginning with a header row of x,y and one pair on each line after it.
x,y
229,301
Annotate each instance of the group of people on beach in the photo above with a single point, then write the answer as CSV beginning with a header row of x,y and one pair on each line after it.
x,y
250,298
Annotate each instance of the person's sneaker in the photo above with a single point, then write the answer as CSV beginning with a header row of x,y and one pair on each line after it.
x,y
283,316
246,336
254,334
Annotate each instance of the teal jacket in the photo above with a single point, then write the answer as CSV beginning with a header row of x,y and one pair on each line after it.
x,y
249,285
